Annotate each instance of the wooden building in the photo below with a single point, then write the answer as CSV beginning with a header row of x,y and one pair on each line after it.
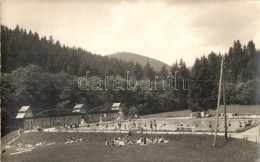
x,y
27,120
24,113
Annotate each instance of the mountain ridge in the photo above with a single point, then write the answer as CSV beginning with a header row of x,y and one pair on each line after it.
x,y
142,60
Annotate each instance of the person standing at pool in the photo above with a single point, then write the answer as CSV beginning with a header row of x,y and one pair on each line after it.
x,y
134,123
181,124
155,125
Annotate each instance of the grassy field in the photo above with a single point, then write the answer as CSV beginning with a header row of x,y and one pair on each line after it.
x,y
247,109
92,148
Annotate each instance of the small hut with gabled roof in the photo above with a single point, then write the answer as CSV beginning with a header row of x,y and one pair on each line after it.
x,y
79,108
25,112
116,106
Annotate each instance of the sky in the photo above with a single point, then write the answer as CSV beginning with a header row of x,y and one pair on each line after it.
x,y
162,29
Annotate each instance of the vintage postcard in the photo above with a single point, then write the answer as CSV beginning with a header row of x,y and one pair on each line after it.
x,y
130,80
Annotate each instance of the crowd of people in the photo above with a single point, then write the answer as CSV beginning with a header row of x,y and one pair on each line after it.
x,y
141,141
140,126
71,125
73,139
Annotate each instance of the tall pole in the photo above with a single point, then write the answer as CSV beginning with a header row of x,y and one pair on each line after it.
x,y
219,92
224,100
257,107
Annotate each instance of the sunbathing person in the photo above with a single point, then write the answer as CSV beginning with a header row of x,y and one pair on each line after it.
x,y
68,140
148,141
140,140
107,143
156,140
131,142
74,139
161,140
113,143
144,141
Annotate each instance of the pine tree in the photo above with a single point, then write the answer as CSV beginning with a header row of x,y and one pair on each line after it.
x,y
174,67
251,66
182,83
148,70
237,61
201,86
163,72
138,71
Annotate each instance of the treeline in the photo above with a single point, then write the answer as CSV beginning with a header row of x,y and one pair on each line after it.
x,y
242,62
59,92
241,73
44,74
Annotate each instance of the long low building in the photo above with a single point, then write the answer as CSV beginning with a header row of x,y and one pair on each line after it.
x,y
27,120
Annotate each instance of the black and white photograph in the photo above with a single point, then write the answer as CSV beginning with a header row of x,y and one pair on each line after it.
x,y
130,80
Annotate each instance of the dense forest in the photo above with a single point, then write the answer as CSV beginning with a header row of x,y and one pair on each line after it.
x,y
43,73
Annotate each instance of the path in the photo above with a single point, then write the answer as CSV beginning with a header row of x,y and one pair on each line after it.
x,y
251,134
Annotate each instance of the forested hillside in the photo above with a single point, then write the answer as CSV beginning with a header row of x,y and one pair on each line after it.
x,y
44,73
22,48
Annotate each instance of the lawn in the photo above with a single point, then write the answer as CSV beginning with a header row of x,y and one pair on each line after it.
x,y
244,109
92,148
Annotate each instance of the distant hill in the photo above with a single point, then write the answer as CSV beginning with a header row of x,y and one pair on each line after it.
x,y
126,56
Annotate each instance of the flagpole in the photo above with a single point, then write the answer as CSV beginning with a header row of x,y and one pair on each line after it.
x,y
219,92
